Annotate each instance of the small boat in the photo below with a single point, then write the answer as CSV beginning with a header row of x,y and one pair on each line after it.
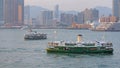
x,y
33,35
79,47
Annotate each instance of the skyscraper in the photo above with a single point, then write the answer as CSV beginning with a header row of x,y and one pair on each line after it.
x,y
46,18
116,9
80,18
56,12
27,15
67,19
91,15
1,11
14,12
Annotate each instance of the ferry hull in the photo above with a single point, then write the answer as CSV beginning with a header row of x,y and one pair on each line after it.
x,y
35,38
80,50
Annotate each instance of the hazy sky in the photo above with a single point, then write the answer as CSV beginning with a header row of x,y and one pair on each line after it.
x,y
70,4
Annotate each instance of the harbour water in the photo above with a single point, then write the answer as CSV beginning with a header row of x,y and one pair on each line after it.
x,y
15,52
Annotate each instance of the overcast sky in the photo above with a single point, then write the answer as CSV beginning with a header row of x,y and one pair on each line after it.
x,y
70,4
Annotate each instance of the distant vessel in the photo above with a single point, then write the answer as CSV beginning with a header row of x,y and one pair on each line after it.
x,y
79,47
24,27
34,35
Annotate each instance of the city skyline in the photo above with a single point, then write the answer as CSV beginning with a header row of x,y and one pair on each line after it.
x,y
69,4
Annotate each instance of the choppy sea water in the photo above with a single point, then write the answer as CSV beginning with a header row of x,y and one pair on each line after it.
x,y
15,52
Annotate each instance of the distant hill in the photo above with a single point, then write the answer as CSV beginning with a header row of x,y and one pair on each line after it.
x,y
35,10
104,11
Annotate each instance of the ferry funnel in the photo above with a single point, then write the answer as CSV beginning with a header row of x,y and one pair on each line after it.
x,y
79,38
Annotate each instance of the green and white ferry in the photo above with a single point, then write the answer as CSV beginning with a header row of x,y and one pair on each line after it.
x,y
79,47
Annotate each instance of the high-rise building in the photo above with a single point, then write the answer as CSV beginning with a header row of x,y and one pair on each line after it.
x,y
80,18
91,15
14,12
27,15
67,19
56,12
1,11
116,9
46,18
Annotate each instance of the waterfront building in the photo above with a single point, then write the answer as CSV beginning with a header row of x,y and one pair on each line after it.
x,y
108,19
81,26
14,12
